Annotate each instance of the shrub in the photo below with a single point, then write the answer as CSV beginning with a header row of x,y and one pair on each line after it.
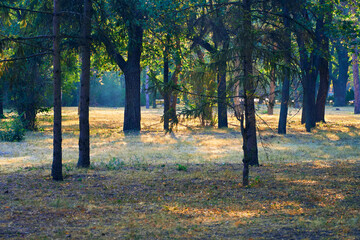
x,y
12,130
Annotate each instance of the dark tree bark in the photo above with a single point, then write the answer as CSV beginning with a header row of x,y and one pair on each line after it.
x,y
222,105
249,127
132,116
1,101
323,90
285,93
221,38
166,90
84,139
355,60
56,171
323,68
340,83
310,70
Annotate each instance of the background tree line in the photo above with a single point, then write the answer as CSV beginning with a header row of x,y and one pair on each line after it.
x,y
209,55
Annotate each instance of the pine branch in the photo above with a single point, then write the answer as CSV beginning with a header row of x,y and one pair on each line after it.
x,y
24,58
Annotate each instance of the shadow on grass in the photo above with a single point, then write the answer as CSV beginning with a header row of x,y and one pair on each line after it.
x,y
207,201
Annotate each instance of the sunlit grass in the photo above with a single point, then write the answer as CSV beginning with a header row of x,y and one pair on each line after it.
x,y
308,184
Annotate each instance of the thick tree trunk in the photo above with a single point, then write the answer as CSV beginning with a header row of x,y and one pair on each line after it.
x,y
131,69
132,116
84,139
271,103
340,83
355,66
56,170
166,90
285,93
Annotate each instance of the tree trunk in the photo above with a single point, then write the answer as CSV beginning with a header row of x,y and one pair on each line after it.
x,y
154,98
56,170
84,139
249,131
355,66
340,83
271,103
222,106
166,87
1,101
132,116
285,93
147,89
323,90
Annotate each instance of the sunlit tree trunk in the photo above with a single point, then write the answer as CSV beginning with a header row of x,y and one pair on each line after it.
x,y
147,95
271,103
84,139
56,171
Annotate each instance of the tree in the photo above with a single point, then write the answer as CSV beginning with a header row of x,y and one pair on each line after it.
x,y
248,122
84,139
128,14
56,171
285,94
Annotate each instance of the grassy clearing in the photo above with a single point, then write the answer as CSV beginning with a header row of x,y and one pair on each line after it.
x,y
186,185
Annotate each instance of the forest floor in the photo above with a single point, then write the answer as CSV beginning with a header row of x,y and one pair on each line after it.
x,y
185,185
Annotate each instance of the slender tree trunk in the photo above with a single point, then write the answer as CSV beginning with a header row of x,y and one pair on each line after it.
x,y
285,93
154,98
340,83
147,89
1,100
222,106
84,139
249,131
323,90
355,66
271,103
166,90
56,171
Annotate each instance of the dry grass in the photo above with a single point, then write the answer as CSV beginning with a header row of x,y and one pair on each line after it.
x,y
306,188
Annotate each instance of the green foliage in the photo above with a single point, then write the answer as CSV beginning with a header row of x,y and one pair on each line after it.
x,y
12,130
115,164
181,167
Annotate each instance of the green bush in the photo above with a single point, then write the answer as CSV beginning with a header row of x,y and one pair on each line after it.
x,y
12,130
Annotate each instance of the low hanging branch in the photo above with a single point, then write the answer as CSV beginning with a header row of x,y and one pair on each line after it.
x,y
27,57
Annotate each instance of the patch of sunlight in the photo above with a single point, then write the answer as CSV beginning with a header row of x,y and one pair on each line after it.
x,y
332,137
305,182
13,160
320,164
210,215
